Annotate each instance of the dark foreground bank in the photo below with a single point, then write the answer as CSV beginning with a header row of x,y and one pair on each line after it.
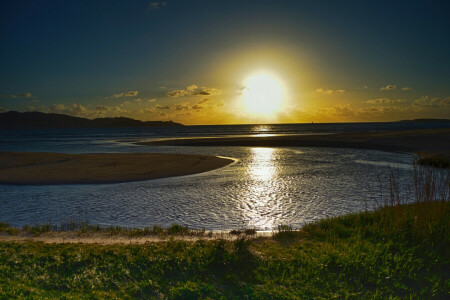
x,y
399,251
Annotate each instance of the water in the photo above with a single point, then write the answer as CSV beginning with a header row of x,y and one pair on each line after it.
x,y
264,188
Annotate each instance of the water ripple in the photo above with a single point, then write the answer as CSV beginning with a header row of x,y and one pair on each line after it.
x,y
264,188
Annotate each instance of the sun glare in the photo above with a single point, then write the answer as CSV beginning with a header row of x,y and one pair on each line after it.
x,y
263,94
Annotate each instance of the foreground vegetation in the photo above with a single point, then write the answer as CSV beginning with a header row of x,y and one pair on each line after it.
x,y
438,160
399,251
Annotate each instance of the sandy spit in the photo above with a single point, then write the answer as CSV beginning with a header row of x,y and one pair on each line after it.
x,y
435,141
56,168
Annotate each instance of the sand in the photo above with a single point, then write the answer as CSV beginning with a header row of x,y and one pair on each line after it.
x,y
55,168
436,141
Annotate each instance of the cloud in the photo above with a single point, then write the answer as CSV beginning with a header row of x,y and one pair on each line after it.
x,y
101,108
365,86
3,109
406,88
127,94
204,100
177,93
157,106
22,95
388,87
208,92
197,107
155,5
427,101
338,110
194,90
330,92
182,106
151,100
77,108
219,103
191,88
385,101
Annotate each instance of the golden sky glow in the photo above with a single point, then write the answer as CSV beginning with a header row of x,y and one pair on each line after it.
x,y
206,62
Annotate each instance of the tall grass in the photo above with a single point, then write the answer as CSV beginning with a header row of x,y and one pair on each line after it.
x,y
424,184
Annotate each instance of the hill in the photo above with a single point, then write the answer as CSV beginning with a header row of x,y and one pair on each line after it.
x,y
39,120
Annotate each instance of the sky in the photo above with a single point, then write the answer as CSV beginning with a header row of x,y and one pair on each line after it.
x,y
227,62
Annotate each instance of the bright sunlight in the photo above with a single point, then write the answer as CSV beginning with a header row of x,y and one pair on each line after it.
x,y
263,94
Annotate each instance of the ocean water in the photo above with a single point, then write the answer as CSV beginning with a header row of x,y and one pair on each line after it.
x,y
265,187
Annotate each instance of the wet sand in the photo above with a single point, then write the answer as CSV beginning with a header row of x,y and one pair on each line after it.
x,y
435,141
54,168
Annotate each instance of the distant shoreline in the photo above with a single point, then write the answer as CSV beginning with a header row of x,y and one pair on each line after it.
x,y
433,141
33,168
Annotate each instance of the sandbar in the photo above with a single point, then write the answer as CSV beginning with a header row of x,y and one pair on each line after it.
x,y
436,141
38,168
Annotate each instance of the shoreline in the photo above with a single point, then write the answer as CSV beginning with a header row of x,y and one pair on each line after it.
x,y
39,168
432,141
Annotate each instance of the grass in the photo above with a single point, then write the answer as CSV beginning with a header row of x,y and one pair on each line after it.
x,y
399,250
81,229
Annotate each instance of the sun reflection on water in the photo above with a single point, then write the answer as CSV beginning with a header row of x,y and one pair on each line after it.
x,y
260,193
262,165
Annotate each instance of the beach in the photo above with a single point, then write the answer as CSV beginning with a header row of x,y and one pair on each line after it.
x,y
435,141
35,168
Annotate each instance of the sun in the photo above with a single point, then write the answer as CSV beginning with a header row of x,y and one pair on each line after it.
x,y
263,94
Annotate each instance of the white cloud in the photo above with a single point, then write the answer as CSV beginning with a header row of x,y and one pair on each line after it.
x,y
126,94
330,92
385,101
101,108
427,101
388,87
157,106
22,95
194,90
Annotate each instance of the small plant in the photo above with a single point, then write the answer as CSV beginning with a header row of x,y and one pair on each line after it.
x,y
285,233
284,228
158,230
235,232
250,231
13,231
176,229
3,226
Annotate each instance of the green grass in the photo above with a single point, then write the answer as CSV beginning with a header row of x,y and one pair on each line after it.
x,y
397,252
85,229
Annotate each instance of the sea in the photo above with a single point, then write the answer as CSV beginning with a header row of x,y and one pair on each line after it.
x,y
263,188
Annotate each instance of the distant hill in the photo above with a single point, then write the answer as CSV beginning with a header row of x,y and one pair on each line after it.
x,y
426,121
38,120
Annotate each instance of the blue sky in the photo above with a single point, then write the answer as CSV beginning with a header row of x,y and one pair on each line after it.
x,y
96,58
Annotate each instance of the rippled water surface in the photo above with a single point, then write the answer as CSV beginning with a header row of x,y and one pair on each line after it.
x,y
264,188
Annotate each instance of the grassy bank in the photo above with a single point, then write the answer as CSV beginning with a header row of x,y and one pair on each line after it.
x,y
395,251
